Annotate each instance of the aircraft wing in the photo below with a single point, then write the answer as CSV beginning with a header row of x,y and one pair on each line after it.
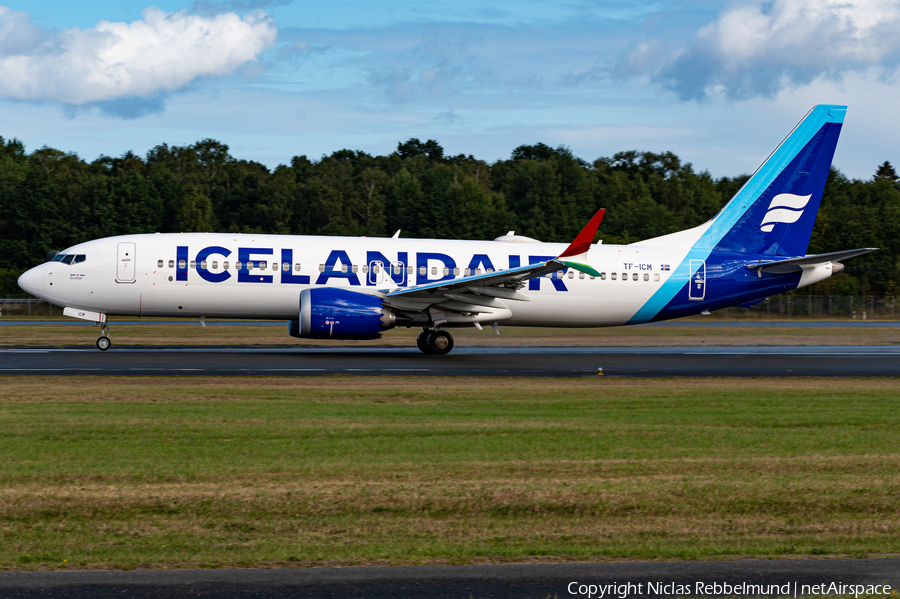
x,y
795,264
486,292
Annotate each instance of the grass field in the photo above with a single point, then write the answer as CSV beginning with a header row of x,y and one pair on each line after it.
x,y
642,335
212,472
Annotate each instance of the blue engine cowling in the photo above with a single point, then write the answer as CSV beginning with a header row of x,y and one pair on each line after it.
x,y
331,313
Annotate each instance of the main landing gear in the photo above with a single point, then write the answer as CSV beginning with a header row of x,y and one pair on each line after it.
x,y
103,343
438,342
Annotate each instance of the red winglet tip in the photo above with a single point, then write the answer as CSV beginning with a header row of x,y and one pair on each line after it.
x,y
583,240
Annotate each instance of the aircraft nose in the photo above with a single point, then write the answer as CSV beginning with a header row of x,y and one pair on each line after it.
x,y
32,281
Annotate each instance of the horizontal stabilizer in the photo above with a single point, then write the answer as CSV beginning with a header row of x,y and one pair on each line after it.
x,y
795,264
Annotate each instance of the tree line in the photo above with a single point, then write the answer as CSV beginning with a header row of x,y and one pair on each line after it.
x,y
51,200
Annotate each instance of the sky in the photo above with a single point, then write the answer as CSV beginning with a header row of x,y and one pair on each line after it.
x,y
719,84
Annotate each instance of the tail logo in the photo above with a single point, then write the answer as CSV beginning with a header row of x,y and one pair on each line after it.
x,y
784,208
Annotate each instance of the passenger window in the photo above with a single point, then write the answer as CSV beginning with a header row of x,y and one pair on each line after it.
x,y
396,269
225,265
376,268
238,265
612,276
249,266
624,276
468,272
182,264
203,264
489,270
160,264
365,268
409,270
434,270
634,277
297,267
592,278
68,259
477,271
321,268
215,264
446,271
646,277
571,274
656,277
603,276
193,264
171,264
343,268
581,275
421,270
275,266
354,268
455,272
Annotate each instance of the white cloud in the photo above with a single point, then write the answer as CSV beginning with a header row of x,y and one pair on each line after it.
x,y
756,49
112,61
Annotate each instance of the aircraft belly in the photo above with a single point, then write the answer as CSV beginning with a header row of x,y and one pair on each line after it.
x,y
595,304
224,300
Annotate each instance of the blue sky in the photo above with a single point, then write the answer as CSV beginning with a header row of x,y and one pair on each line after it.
x,y
719,84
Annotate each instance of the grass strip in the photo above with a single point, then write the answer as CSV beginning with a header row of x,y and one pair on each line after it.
x,y
132,472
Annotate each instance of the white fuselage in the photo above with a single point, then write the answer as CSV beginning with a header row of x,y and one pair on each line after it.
x,y
148,275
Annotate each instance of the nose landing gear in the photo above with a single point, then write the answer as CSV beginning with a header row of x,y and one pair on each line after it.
x,y
435,342
103,343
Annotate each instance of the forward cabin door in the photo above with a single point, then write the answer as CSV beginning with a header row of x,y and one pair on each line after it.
x,y
125,262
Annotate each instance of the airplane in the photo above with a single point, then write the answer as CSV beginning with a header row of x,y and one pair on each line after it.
x,y
358,287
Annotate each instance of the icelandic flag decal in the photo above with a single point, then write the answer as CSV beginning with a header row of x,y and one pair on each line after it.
x,y
784,208
664,267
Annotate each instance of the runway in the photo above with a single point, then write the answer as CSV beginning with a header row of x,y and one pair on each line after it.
x,y
463,361
513,581
670,323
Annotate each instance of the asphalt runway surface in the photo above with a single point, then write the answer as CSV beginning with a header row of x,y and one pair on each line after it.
x,y
463,361
670,323
522,581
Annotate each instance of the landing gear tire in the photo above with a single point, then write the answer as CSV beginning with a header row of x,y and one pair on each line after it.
x,y
422,341
103,343
440,342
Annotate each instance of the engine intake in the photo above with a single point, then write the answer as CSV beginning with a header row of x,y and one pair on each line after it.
x,y
331,313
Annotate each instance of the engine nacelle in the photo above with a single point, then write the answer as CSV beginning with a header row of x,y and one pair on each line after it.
x,y
332,313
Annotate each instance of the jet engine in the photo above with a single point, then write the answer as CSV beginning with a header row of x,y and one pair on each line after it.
x,y
332,313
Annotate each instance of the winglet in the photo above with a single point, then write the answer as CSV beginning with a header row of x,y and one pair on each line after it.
x,y
583,240
578,249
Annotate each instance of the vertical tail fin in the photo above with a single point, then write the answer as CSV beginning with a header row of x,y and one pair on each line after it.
x,y
774,212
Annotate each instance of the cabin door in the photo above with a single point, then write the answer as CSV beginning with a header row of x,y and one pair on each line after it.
x,y
125,263
697,289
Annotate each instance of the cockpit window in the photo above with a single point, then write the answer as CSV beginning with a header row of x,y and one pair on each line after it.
x,y
69,258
